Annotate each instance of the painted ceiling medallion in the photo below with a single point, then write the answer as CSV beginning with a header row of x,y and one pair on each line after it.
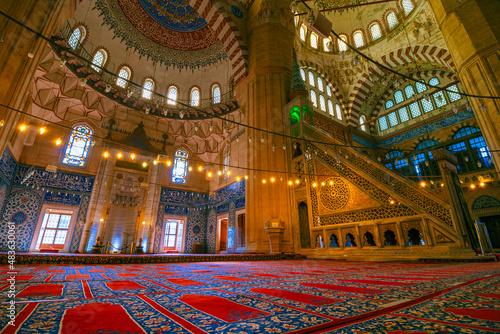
x,y
168,31
174,14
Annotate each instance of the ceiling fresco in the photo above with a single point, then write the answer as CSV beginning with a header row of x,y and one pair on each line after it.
x,y
165,31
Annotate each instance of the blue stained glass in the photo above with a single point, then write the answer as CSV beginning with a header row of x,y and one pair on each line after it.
x,y
409,91
398,96
457,147
403,114
483,151
434,82
420,158
454,96
420,86
394,154
426,144
179,172
382,122
465,131
78,146
389,104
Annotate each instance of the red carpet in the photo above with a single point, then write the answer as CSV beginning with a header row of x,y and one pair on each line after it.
x,y
287,296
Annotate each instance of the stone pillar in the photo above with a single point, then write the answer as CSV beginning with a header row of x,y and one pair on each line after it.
x,y
458,206
471,29
262,95
17,69
151,201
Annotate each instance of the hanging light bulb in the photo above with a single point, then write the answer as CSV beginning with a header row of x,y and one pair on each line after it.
x,y
263,180
273,179
297,181
155,162
31,54
262,139
132,156
147,110
249,139
455,109
200,168
246,177
315,185
22,127
169,163
284,146
228,173
209,174
42,130
273,147
190,168
290,183
105,154
238,178
129,93
219,172
83,82
466,158
355,60
144,164
58,141
119,155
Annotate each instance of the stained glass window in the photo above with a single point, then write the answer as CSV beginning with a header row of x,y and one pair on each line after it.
x,y
375,31
172,95
398,96
362,120
195,97
99,60
147,90
389,104
426,144
427,105
358,39
454,96
382,123
420,86
314,40
439,99
393,119
407,6
465,131
311,79
226,159
322,102
320,84
76,37
403,115
326,44
409,91
123,76
216,93
303,74
313,98
328,90
339,111
78,146
434,82
303,33
415,110
342,45
179,172
392,20
330,108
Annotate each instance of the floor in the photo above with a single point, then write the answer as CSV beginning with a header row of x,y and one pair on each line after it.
x,y
287,296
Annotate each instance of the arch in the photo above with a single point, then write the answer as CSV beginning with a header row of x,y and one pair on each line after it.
x,y
195,96
342,43
398,59
227,32
303,33
313,40
362,120
334,241
408,6
350,241
327,44
465,131
359,39
180,167
79,143
426,143
148,88
77,37
124,75
390,238
99,60
368,239
305,234
391,19
216,93
485,202
319,241
172,93
414,238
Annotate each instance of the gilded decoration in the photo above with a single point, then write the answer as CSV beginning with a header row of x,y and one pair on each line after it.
x,y
385,228
349,237
173,34
334,195
367,240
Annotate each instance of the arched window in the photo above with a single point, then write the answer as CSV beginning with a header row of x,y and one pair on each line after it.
x,y
392,156
303,33
311,79
472,153
147,90
409,91
415,110
77,37
322,102
172,95
439,99
179,172
375,31
426,144
454,96
123,77
194,97
342,44
327,44
313,98
382,123
434,81
216,93
392,20
303,74
314,40
465,131
78,146
359,41
398,96
427,104
407,6
339,111
320,84
328,90
403,114
389,104
362,120
420,86
393,119
330,108
99,60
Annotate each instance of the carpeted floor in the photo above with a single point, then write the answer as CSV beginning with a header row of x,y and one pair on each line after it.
x,y
289,296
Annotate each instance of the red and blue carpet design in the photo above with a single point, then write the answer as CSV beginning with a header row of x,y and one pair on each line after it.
x,y
287,296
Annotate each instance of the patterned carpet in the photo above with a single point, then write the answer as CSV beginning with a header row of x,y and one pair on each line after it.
x,y
287,296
